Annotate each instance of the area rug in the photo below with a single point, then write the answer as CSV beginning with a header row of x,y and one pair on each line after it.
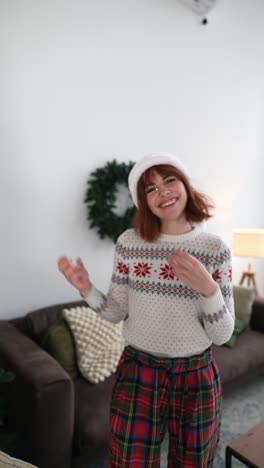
x,y
243,408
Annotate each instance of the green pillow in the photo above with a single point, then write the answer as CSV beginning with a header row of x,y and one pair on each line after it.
x,y
231,342
58,342
240,326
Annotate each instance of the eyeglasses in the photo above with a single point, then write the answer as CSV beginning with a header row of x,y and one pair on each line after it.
x,y
167,183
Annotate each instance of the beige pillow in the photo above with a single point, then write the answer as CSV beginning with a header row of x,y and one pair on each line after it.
x,y
243,301
99,343
10,462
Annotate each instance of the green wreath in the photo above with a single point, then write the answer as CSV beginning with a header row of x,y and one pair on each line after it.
x,y
101,198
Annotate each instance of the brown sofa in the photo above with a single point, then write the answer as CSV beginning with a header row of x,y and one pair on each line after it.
x,y
59,418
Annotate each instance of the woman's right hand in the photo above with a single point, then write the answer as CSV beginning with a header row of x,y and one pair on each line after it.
x,y
76,274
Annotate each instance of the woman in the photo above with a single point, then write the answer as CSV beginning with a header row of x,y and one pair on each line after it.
x,y
171,285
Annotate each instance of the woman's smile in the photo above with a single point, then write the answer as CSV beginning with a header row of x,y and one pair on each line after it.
x,y
169,202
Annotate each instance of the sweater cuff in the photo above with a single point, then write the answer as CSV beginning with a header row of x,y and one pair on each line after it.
x,y
95,299
212,303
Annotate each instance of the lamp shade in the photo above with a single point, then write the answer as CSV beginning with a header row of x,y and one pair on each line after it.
x,y
249,242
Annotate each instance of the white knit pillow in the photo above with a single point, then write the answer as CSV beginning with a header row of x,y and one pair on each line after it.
x,y
99,343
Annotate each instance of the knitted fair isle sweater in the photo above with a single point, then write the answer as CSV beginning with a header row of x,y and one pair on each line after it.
x,y
162,315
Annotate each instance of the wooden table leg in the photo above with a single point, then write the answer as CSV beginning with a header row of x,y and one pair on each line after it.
x,y
228,457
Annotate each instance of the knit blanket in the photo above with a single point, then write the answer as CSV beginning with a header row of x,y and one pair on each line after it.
x,y
99,343
10,462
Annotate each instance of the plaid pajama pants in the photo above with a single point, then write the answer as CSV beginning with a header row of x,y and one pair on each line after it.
x,y
152,395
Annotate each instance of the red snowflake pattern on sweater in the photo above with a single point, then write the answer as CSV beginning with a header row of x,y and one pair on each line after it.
x,y
122,268
217,275
230,274
166,272
142,269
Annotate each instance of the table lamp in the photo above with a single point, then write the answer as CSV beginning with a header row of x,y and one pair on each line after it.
x,y
249,243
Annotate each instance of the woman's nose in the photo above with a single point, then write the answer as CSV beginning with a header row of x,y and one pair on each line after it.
x,y
163,190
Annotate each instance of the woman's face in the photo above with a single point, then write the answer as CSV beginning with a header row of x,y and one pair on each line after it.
x,y
166,197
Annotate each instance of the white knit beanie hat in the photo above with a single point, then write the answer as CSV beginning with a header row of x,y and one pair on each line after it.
x,y
148,161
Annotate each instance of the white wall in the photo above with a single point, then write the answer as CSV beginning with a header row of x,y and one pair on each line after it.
x,y
83,82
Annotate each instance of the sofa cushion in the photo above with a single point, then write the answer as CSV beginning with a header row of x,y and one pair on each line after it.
x,y
99,343
243,301
58,341
92,421
246,356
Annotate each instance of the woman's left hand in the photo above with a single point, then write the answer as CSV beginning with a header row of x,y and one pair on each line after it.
x,y
190,270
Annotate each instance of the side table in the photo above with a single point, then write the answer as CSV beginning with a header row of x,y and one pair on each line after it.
x,y
248,448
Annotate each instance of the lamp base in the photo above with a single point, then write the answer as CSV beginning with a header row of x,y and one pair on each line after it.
x,y
250,276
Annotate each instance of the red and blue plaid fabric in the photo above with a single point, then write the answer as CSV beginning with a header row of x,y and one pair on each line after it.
x,y
152,395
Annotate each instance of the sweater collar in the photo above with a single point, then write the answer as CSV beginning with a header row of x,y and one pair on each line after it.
x,y
196,230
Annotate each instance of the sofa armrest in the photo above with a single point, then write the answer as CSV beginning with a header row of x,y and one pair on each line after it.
x,y
257,316
41,399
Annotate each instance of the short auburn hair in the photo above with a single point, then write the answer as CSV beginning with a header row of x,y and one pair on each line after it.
x,y
148,225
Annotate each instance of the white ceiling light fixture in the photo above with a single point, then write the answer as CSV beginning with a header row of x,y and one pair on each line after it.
x,y
200,7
